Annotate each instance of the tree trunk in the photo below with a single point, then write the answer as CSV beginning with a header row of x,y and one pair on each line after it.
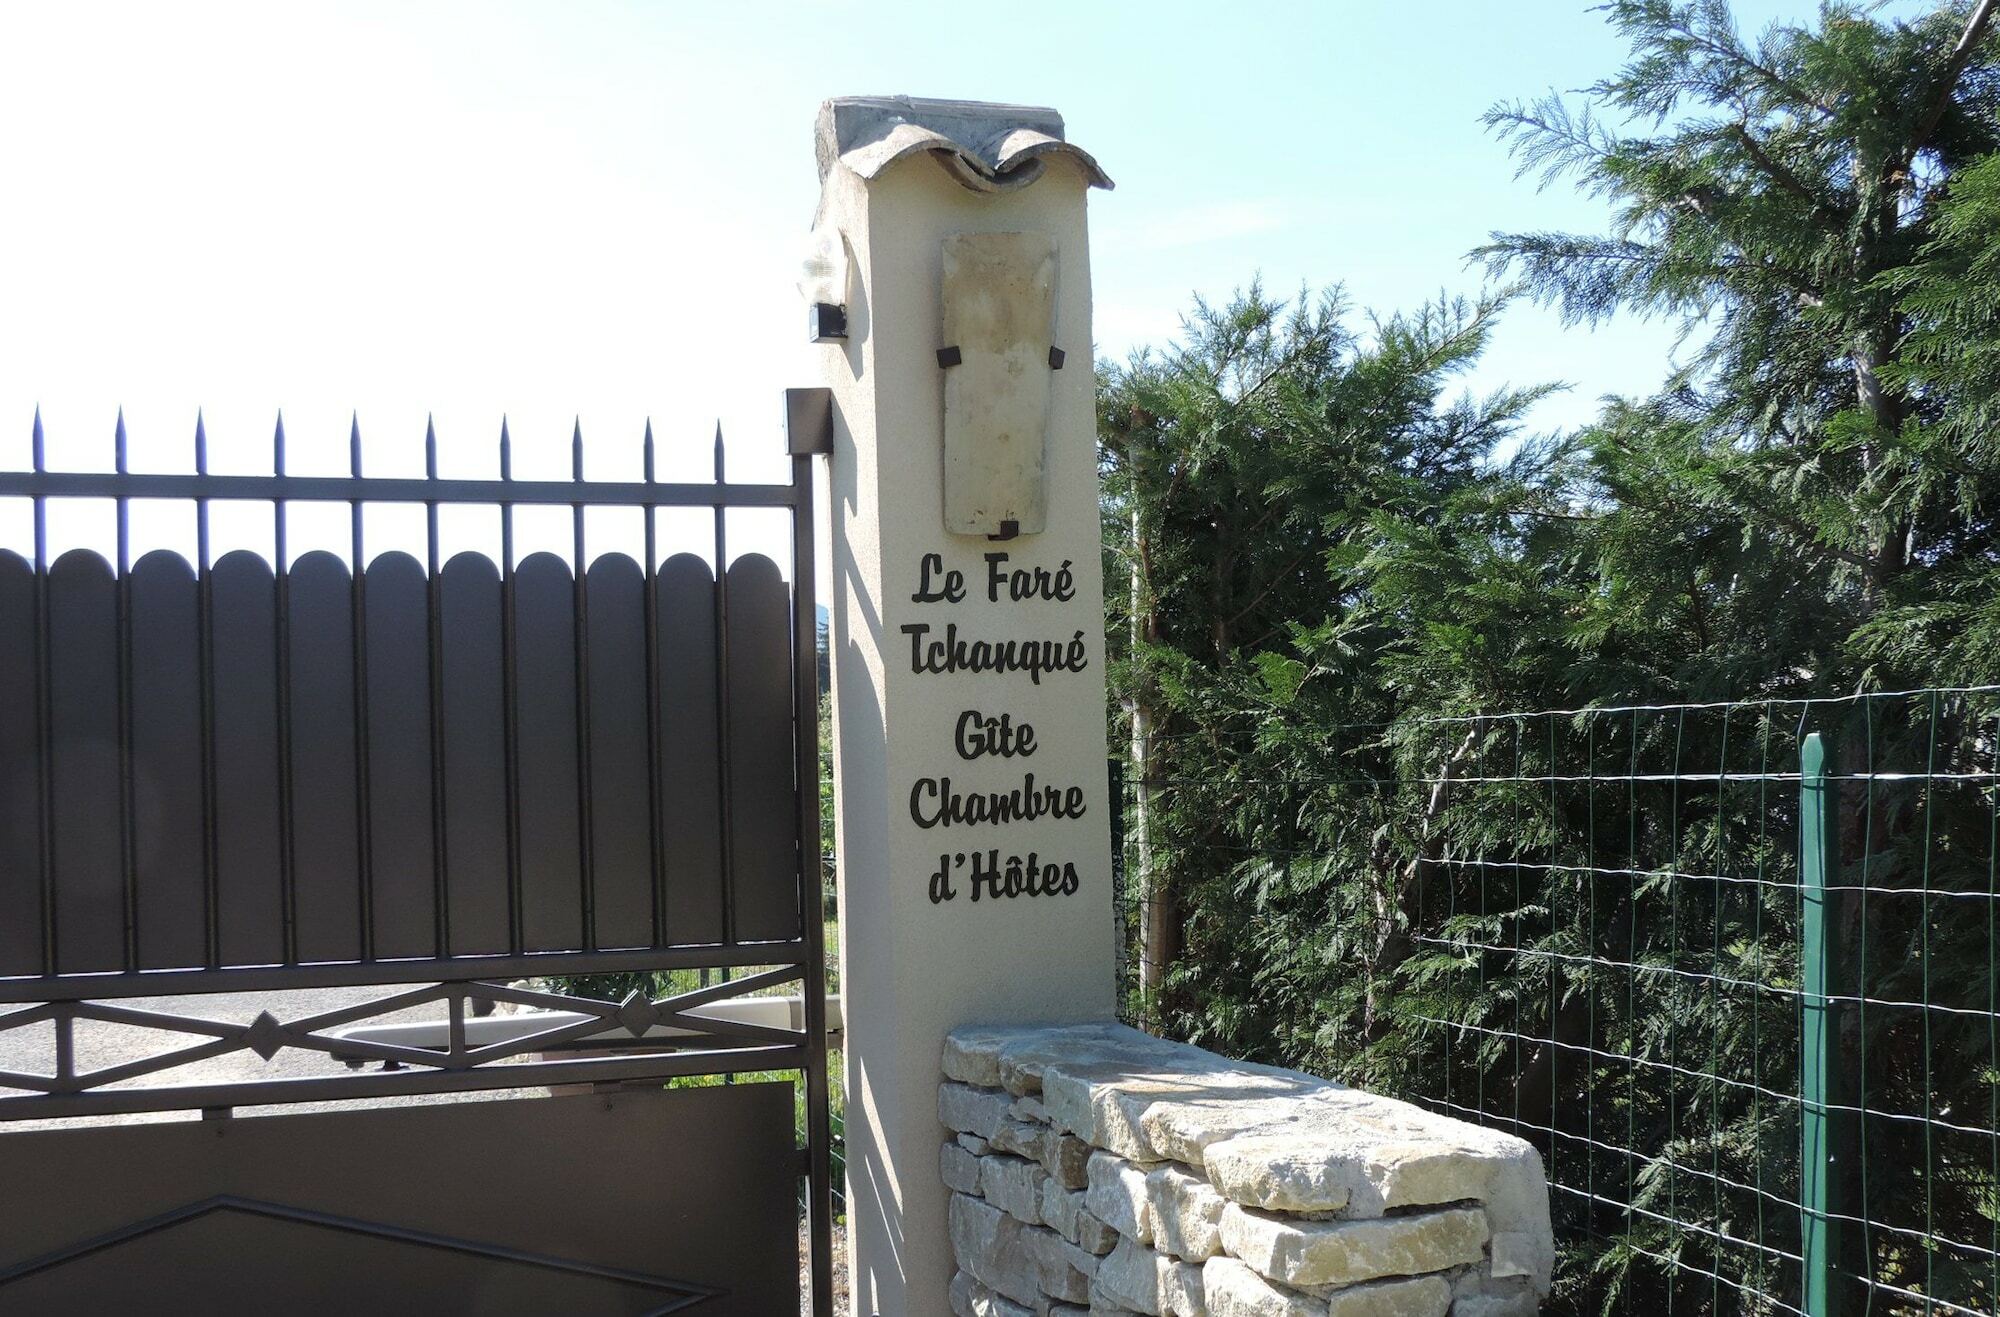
x,y
1160,915
1888,552
1159,912
1397,904
1152,964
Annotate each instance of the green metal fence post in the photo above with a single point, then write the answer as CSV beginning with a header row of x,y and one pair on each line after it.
x,y
1821,1149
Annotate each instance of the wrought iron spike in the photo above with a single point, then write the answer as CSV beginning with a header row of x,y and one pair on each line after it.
x,y
354,443
278,444
718,450
430,447
506,451
121,462
39,443
200,443
648,449
576,449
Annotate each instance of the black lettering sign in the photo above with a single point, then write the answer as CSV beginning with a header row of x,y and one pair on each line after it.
x,y
946,587
949,653
1023,583
986,734
934,802
993,879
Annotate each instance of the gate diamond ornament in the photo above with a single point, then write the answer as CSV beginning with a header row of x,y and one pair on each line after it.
x,y
265,1036
637,1013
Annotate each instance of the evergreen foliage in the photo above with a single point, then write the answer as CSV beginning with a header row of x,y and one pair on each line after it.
x,y
1330,566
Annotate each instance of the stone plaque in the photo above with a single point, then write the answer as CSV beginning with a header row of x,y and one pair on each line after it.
x,y
999,317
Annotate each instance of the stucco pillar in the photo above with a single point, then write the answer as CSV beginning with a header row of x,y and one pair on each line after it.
x,y
937,638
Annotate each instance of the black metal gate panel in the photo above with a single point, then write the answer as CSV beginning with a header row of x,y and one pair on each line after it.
x,y
444,777
625,1203
375,813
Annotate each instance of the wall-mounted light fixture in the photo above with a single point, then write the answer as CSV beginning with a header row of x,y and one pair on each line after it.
x,y
823,284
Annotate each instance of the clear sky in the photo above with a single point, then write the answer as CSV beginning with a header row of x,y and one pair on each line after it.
x,y
596,209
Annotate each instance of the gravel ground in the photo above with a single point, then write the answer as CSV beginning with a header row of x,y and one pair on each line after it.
x,y
839,1270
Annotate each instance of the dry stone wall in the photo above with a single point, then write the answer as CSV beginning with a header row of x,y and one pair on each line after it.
x,y
1094,1169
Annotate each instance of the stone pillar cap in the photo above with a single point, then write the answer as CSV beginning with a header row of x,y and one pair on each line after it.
x,y
986,147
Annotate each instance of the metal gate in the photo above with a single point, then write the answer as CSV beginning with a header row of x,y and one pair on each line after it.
x,y
236,776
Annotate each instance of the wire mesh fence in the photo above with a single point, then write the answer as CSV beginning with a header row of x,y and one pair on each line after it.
x,y
1733,968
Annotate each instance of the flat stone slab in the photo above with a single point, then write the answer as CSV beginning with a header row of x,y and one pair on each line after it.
x,y
1014,1185
1117,1196
1132,1276
971,1299
1181,1292
958,1168
1020,1262
1304,1254
1186,1213
1064,1212
978,1112
1232,1289
1266,1138
1417,1296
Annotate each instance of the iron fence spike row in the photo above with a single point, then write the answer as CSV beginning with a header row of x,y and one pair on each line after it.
x,y
366,708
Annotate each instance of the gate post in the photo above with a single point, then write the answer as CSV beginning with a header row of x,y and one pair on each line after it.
x,y
966,626
1829,1149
